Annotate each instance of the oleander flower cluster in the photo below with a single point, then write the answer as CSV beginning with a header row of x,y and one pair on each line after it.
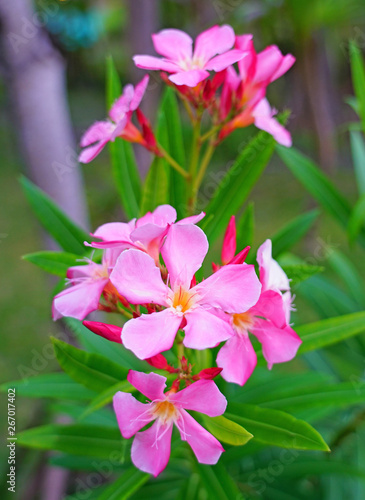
x,y
206,79
151,268
148,274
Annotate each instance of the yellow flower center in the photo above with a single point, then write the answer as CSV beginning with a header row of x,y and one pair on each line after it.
x,y
165,411
242,321
183,300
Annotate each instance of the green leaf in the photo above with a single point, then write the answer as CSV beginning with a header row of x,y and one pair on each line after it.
x,y
67,234
237,184
124,166
91,370
128,483
156,187
324,395
113,85
174,144
50,385
246,227
317,183
276,428
357,220
227,431
106,396
53,262
218,483
358,79
346,270
301,272
292,232
77,439
330,331
358,156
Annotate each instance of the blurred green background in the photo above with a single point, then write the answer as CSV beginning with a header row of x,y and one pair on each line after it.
x,y
315,89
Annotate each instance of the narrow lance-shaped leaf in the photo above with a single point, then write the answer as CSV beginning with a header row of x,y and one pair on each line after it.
x,y
91,370
53,262
227,431
358,79
128,483
49,385
318,185
77,439
237,183
292,232
124,165
357,220
358,157
246,228
217,483
155,190
276,428
68,235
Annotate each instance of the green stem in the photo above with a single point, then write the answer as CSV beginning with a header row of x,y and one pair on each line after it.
x,y
195,153
173,163
203,167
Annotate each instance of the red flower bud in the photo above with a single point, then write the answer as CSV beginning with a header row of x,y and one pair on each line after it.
x,y
109,332
229,242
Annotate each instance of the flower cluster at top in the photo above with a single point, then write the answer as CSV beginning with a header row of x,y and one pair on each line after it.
x,y
148,274
233,97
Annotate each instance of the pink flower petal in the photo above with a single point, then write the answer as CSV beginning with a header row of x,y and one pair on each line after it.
x,y
202,396
221,62
139,92
137,278
286,63
121,125
234,288
268,63
189,78
121,105
155,63
88,154
278,344
75,272
79,300
148,233
271,306
99,131
272,276
183,252
206,447
247,65
151,334
205,329
151,448
173,44
215,40
274,128
131,414
151,384
193,219
164,214
238,359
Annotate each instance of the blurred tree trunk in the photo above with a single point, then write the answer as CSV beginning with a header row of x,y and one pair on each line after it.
x,y
36,82
35,75
319,89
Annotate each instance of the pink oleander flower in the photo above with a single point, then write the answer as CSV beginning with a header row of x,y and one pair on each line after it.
x,y
234,288
244,93
187,67
88,282
151,448
268,320
119,124
146,233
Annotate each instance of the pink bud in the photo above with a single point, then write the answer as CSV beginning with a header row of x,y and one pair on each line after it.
x,y
159,361
209,373
109,332
229,242
241,256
